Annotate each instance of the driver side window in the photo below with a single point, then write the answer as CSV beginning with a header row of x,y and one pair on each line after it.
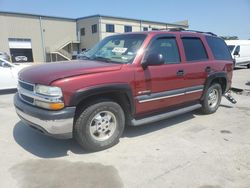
x,y
168,48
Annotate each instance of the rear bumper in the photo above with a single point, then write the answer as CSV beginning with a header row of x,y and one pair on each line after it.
x,y
57,124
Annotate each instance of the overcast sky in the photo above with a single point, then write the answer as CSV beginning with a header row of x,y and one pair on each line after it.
x,y
223,17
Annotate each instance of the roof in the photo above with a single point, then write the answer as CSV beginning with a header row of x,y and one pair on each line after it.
x,y
132,19
92,16
36,15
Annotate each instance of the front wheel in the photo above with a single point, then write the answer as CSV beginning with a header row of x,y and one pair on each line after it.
x,y
212,99
99,126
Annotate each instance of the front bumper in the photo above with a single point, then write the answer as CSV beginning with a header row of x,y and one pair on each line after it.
x,y
58,124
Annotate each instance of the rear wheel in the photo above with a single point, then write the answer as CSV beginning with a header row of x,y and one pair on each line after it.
x,y
212,99
99,126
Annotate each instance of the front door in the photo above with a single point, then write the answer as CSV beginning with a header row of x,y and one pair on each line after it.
x,y
161,86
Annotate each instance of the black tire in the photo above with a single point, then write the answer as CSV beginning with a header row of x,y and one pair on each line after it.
x,y
82,127
248,66
207,108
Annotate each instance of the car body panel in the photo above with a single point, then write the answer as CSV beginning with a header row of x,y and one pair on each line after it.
x,y
9,74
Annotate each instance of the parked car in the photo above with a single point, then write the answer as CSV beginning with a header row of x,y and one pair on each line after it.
x,y
82,54
4,55
21,59
9,74
240,50
127,79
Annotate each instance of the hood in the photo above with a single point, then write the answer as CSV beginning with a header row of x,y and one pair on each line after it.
x,y
49,72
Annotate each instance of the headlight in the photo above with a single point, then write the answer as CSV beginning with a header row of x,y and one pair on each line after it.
x,y
48,90
51,97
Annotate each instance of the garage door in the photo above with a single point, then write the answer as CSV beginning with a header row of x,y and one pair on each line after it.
x,y
20,50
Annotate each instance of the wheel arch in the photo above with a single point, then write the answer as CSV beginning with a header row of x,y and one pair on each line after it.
x,y
220,78
120,93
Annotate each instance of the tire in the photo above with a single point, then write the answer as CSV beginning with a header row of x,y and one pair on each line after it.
x,y
248,66
90,129
210,105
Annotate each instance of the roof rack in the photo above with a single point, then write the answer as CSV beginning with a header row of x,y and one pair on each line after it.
x,y
187,30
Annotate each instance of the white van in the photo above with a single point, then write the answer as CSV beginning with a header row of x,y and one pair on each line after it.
x,y
240,50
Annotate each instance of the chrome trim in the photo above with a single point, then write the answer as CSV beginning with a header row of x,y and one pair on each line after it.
x,y
158,98
37,96
53,127
198,90
26,83
170,94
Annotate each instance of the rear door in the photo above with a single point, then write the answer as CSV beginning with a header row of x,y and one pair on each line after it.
x,y
196,67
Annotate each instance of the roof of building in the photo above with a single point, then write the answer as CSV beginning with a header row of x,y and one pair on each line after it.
x,y
92,16
36,15
132,19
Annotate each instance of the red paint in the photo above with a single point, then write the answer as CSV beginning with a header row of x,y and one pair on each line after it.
x,y
83,74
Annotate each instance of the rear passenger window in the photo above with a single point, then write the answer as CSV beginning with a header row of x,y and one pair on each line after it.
x,y
219,48
168,48
194,49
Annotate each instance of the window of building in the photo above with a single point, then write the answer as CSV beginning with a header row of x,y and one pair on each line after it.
x,y
145,28
168,48
127,28
194,49
110,28
94,28
82,31
219,48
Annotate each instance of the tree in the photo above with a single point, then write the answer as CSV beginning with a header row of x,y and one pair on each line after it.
x,y
230,37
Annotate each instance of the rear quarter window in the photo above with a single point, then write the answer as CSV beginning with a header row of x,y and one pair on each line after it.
x,y
219,48
194,49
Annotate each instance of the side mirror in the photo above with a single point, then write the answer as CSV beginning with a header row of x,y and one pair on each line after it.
x,y
153,59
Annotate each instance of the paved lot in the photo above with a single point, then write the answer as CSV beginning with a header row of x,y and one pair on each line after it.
x,y
191,150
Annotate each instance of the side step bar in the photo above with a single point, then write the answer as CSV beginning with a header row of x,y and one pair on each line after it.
x,y
163,116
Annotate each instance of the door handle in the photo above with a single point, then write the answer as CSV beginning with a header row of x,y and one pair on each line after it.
x,y
208,69
180,73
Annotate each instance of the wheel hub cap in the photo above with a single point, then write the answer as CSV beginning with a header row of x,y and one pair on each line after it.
x,y
103,125
213,98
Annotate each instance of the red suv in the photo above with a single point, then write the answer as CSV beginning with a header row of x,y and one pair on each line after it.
x,y
126,79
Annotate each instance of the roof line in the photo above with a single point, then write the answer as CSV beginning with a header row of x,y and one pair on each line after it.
x,y
36,15
91,16
132,19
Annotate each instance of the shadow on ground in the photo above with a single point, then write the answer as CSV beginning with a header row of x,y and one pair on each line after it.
x,y
47,147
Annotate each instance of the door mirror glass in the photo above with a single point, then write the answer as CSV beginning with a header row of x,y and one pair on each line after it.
x,y
153,59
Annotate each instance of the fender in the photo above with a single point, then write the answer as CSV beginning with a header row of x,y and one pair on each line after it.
x,y
210,79
103,89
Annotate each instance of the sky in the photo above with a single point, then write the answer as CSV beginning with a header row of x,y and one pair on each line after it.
x,y
223,17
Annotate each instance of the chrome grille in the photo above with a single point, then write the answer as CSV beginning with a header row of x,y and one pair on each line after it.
x,y
25,85
27,99
28,94
26,90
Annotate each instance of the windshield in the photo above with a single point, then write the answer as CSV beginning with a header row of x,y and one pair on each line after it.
x,y
231,47
117,49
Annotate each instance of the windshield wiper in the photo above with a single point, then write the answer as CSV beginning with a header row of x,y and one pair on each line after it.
x,y
83,57
105,59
